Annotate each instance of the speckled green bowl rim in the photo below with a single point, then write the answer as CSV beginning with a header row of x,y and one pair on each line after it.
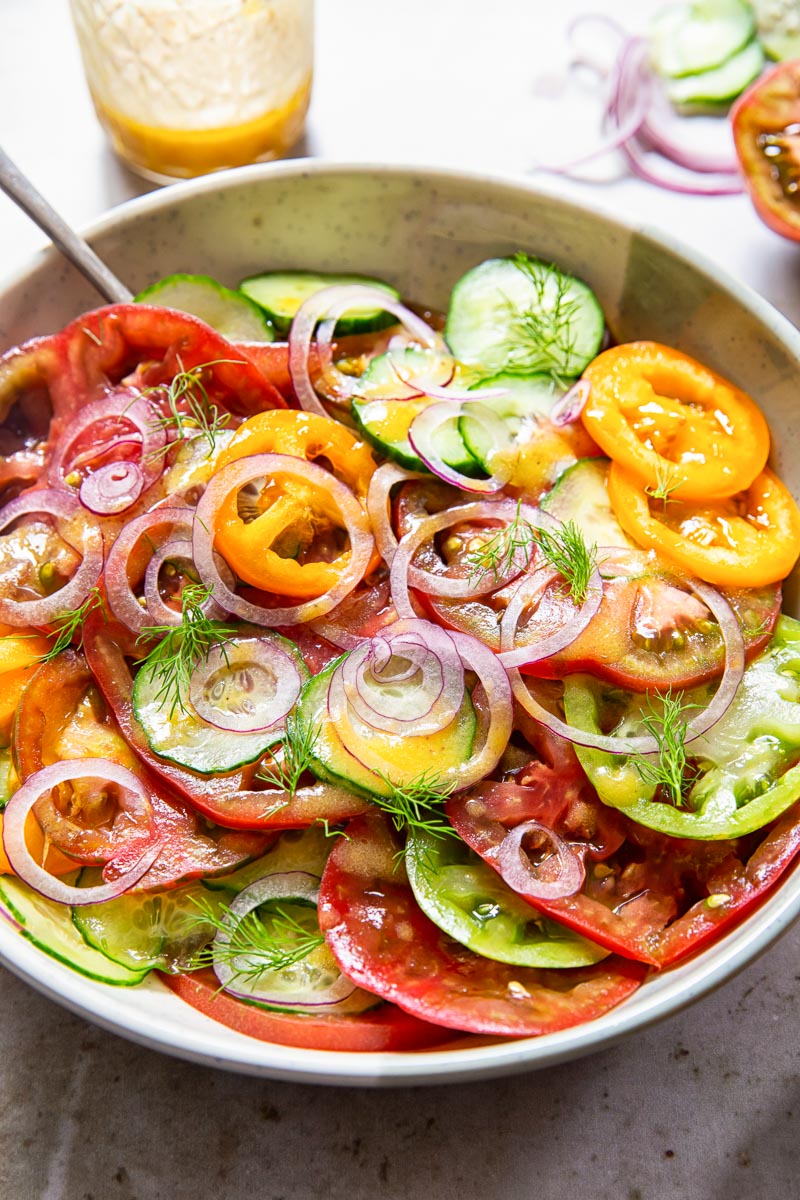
x,y
153,1017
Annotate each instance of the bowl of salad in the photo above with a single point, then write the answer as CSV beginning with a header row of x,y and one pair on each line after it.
x,y
399,668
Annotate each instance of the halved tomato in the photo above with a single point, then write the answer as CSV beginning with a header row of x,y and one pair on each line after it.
x,y
383,941
649,897
766,132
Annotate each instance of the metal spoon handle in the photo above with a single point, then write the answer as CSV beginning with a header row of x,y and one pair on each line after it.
x,y
22,191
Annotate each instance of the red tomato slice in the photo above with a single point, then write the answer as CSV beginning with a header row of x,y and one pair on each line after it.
x,y
645,895
384,1028
384,942
108,344
227,799
61,711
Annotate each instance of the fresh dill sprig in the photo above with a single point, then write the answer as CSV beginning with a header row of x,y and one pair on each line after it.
x,y
417,804
182,647
667,724
66,625
542,338
508,548
201,418
297,749
250,946
567,550
668,478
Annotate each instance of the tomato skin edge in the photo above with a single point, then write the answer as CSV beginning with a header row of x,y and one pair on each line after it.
x,y
777,215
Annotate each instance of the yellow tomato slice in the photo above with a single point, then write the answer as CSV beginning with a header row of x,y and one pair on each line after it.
x,y
677,427
748,540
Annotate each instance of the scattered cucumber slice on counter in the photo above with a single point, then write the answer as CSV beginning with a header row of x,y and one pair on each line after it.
x,y
720,85
778,25
581,495
527,400
689,38
520,316
280,293
414,756
49,926
146,930
232,314
178,734
385,422
471,903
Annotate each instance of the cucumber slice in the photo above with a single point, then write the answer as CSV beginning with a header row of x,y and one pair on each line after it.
x,y
399,373
689,38
233,315
581,495
471,903
49,926
527,400
414,756
295,850
181,736
8,777
778,27
280,294
520,316
720,85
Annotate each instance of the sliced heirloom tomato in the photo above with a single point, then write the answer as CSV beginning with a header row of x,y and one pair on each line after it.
x,y
749,540
383,941
766,133
673,424
62,716
230,800
385,1028
272,358
649,897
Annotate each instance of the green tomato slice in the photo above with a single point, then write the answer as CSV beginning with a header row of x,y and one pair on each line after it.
x,y
471,903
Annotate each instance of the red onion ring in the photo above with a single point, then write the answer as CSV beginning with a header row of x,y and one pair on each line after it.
x,y
332,303
531,588
133,799
247,657
426,425
122,601
568,408
112,488
123,404
378,506
405,573
238,474
159,613
521,876
52,502
286,885
646,743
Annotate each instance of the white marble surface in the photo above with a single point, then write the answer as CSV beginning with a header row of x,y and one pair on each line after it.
x,y
706,1106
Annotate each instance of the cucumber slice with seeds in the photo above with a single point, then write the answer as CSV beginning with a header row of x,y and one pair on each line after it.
x,y
233,315
280,293
527,401
49,926
581,495
710,89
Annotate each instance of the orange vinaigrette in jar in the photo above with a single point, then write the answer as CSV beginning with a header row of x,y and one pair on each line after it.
x,y
184,87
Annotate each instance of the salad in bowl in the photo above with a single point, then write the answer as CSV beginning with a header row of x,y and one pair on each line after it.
x,y
379,676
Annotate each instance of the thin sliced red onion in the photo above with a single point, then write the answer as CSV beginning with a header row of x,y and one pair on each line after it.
x,y
531,589
247,685
180,550
112,489
133,799
123,603
659,128
122,404
699,724
379,505
55,503
238,474
568,408
332,303
405,573
362,684
236,977
422,435
520,874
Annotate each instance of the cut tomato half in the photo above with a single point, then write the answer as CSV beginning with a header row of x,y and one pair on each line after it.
x,y
383,941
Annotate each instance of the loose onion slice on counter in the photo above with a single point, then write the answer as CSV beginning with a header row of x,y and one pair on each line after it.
x,y
133,799
58,504
237,475
327,305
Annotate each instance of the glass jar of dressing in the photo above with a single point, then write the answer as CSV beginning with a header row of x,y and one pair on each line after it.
x,y
183,87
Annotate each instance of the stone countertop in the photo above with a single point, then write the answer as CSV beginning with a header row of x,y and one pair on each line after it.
x,y
704,1106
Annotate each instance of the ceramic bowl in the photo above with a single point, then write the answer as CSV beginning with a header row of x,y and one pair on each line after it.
x,y
419,229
